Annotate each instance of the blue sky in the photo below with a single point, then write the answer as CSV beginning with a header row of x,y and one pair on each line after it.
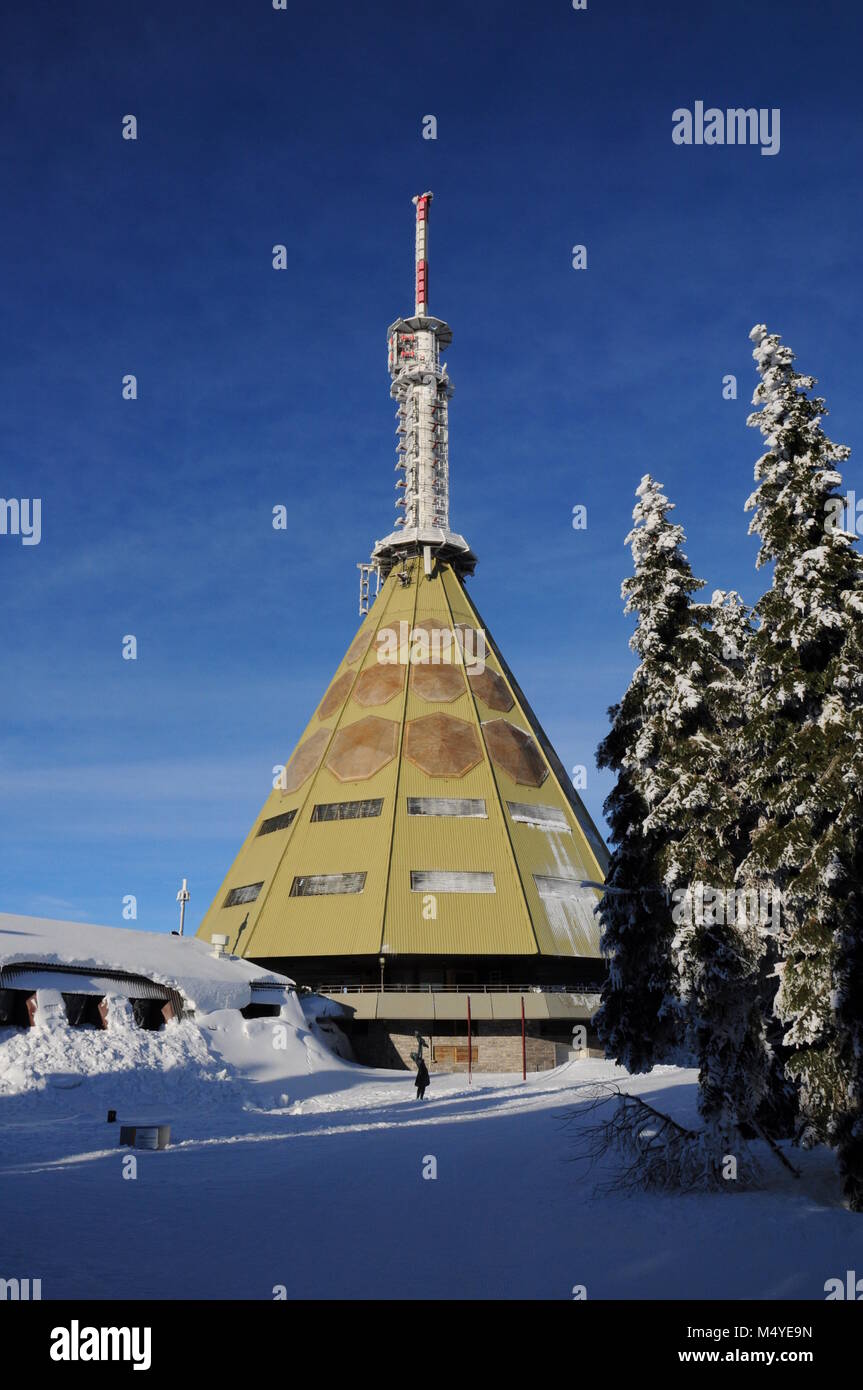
x,y
259,387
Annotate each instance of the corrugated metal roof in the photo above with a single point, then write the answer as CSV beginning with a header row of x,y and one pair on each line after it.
x,y
387,915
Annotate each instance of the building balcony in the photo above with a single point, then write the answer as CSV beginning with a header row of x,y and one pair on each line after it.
x,y
446,1003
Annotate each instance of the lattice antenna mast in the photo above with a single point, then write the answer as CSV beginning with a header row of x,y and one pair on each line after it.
x,y
421,389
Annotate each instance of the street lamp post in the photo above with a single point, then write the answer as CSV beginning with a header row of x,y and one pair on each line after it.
x,y
382,960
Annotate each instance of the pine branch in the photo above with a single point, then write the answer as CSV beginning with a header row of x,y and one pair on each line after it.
x,y
659,1153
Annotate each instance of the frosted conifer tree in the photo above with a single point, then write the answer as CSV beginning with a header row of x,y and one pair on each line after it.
x,y
802,763
639,1019
718,948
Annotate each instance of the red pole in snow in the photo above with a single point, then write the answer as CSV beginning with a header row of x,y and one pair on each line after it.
x,y
469,1048
523,1045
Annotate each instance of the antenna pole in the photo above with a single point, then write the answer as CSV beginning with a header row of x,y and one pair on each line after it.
x,y
423,204
182,898
421,389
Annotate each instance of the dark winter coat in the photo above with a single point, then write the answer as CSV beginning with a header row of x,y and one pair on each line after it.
x,y
422,1074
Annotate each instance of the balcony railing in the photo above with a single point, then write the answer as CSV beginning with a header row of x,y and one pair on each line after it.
x,y
458,989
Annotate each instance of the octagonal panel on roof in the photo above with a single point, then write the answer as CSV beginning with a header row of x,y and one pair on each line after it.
x,y
305,760
441,637
439,683
491,688
379,683
359,646
362,749
335,696
514,751
441,745
472,643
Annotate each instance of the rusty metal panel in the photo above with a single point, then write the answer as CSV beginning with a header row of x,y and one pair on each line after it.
x,y
491,688
442,746
441,684
360,750
379,684
336,695
305,761
515,751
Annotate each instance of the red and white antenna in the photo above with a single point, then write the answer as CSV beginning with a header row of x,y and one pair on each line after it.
x,y
423,203
421,388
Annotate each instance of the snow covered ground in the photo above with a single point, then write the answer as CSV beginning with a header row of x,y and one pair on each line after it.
x,y
291,1167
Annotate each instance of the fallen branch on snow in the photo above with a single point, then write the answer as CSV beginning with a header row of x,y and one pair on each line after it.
x,y
658,1153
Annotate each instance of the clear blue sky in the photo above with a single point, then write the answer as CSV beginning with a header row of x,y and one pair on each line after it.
x,y
256,387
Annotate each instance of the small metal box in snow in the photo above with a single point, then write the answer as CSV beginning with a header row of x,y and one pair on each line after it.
x,y
145,1134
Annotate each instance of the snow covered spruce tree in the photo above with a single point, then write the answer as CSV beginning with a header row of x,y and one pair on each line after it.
x,y
639,1019
636,1023
846,894
683,979
802,751
844,858
719,947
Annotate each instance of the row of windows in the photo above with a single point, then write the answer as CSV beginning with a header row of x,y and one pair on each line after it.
x,y
422,881
543,817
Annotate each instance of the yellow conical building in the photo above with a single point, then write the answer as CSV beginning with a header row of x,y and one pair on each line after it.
x,y
424,852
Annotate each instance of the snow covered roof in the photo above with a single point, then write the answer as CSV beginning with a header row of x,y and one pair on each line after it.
x,y
182,963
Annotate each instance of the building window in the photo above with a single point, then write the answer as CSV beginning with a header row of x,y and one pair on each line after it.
x,y
248,894
454,1053
550,886
542,817
313,885
347,810
446,881
447,806
277,823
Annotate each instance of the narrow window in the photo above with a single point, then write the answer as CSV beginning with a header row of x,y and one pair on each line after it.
x,y
447,881
347,810
446,806
313,885
277,823
243,895
550,886
542,817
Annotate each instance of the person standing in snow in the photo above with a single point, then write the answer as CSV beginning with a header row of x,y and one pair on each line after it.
x,y
422,1080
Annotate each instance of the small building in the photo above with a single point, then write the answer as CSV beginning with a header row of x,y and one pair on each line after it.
x,y
74,973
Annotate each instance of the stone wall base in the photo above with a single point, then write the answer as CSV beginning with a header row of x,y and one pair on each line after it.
x,y
496,1047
